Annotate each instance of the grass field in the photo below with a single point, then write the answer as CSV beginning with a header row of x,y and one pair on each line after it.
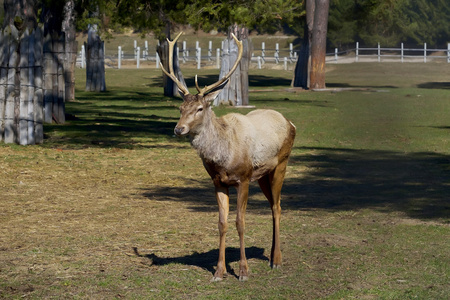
x,y
113,206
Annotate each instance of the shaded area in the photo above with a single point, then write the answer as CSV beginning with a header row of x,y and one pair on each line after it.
x,y
434,85
365,87
417,184
118,119
254,81
206,260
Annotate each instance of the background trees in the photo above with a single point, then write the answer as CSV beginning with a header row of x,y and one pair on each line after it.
x,y
389,22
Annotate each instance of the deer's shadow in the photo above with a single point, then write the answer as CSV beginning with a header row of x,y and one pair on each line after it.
x,y
206,260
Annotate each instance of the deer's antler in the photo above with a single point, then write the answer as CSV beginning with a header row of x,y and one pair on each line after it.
x,y
211,87
207,88
171,75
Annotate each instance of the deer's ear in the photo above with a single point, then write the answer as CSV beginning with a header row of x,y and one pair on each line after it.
x,y
212,95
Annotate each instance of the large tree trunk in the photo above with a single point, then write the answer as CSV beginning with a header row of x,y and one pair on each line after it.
x,y
310,68
301,75
235,91
319,44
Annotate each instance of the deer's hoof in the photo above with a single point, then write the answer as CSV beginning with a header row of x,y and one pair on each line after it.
x,y
216,279
243,278
275,266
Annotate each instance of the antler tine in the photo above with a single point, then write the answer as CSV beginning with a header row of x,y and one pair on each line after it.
x,y
196,84
172,76
211,87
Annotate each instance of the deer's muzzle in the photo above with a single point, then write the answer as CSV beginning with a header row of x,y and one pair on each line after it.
x,y
181,130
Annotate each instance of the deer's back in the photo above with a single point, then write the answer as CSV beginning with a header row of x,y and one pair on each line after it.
x,y
261,132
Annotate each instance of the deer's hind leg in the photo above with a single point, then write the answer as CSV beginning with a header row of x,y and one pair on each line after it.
x,y
271,184
242,192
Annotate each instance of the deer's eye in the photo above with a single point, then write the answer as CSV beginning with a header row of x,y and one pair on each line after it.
x,y
200,109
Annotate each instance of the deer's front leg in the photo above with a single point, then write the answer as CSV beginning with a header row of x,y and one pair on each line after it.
x,y
240,225
223,201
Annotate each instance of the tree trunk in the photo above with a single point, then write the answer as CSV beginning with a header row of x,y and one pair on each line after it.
x,y
235,91
301,74
319,44
95,62
68,27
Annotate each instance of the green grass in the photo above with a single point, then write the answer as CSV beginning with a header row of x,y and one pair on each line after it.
x,y
112,205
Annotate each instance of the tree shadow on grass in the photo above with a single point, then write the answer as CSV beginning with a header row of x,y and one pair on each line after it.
x,y
206,260
416,184
114,119
434,85
358,87
254,81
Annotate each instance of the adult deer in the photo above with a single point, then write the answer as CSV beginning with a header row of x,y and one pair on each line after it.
x,y
236,149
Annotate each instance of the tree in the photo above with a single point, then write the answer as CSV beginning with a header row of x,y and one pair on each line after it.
x,y
319,44
310,68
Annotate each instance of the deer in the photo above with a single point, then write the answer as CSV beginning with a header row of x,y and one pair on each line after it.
x,y
236,149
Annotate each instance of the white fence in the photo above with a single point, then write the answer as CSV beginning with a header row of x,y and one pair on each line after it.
x,y
401,54
285,58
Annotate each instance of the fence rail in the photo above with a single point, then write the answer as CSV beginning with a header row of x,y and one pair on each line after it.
x,y
286,58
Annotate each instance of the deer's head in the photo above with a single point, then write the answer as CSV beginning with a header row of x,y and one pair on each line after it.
x,y
195,107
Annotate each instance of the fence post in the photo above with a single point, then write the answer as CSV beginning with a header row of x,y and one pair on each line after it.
x,y
138,54
291,52
83,59
285,63
145,53
199,57
277,53
357,51
379,53
218,58
401,51
263,50
197,46
210,51
448,53
336,54
424,52
135,48
119,57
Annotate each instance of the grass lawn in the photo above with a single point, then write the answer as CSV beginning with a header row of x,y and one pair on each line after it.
x,y
113,205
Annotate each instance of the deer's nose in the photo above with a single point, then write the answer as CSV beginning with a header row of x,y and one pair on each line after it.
x,y
179,130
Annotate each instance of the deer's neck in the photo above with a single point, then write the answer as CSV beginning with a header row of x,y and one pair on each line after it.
x,y
212,141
